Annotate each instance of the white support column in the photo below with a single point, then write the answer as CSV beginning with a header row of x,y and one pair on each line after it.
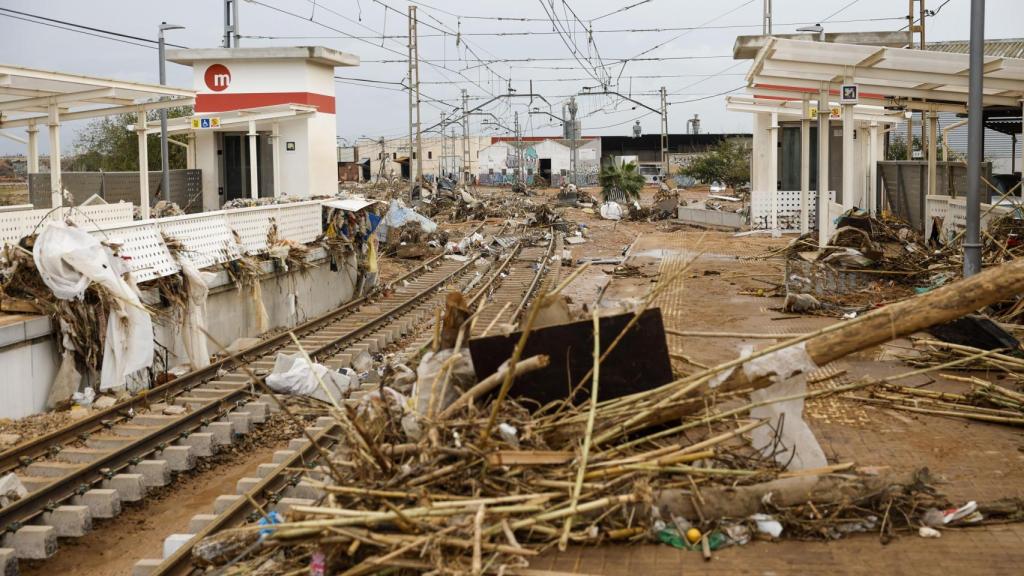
x,y
140,129
823,137
33,148
933,128
773,171
872,165
850,198
805,166
56,198
1020,143
275,147
190,153
254,183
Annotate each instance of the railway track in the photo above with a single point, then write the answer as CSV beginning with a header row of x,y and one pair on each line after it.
x,y
510,285
88,469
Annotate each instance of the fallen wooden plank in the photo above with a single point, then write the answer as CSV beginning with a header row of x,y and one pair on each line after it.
x,y
529,457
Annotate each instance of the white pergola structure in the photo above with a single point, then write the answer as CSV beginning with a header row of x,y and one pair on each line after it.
x,y
895,78
264,118
768,112
30,97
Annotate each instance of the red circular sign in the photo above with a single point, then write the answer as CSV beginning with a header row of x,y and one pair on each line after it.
x,y
217,77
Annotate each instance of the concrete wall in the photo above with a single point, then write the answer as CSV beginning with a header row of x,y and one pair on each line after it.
x,y
28,352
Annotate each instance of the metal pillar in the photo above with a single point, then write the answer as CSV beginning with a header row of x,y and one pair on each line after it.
x,y
975,144
254,182
910,137
823,134
664,134
574,143
275,155
766,19
56,197
232,31
414,98
849,166
190,155
519,151
164,160
466,171
33,148
872,167
140,129
773,170
805,166
933,157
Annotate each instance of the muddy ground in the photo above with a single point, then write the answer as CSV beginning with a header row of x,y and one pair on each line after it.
x,y
727,288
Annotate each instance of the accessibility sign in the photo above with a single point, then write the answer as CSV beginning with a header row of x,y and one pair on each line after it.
x,y
205,123
834,113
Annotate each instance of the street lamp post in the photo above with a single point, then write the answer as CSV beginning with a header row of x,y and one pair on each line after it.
x,y
164,161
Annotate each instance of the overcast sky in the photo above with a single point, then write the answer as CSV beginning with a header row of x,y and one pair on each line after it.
x,y
694,85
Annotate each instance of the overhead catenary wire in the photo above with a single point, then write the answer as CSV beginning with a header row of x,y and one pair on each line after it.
x,y
86,30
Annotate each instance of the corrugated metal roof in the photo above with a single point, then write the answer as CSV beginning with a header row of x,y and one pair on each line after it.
x,y
1004,47
997,144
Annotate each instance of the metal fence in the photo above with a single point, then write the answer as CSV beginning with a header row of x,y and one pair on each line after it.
x,y
186,188
905,186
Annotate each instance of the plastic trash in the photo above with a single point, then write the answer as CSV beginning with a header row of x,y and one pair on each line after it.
x,y
927,532
11,490
738,534
767,525
84,398
509,434
269,520
611,211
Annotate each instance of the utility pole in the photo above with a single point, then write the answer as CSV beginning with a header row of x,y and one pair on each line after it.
x,y
232,31
766,19
664,134
975,139
383,160
465,138
165,181
414,98
573,142
519,150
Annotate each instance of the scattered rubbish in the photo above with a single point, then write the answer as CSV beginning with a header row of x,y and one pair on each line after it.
x,y
11,489
800,303
295,375
976,331
612,211
928,532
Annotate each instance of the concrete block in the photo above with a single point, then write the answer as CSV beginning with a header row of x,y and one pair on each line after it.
x,y
283,456
130,487
69,521
200,521
304,490
155,473
222,432
33,542
298,444
153,419
240,420
245,484
265,469
325,422
81,455
107,442
270,402
51,469
146,566
132,430
258,411
202,444
173,542
180,458
8,562
102,502
223,502
285,504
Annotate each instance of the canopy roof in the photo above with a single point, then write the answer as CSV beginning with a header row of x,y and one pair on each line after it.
x,y
790,109
238,119
886,76
27,93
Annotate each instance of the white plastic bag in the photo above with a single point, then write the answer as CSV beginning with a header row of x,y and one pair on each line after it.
x,y
193,321
68,260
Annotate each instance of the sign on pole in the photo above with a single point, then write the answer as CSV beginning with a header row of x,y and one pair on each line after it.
x,y
205,123
834,113
849,94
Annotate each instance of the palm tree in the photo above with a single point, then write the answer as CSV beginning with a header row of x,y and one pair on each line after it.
x,y
621,182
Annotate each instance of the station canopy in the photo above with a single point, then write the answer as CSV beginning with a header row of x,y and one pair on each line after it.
x,y
27,94
915,79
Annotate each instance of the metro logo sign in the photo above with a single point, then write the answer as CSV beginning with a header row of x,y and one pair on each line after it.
x,y
217,77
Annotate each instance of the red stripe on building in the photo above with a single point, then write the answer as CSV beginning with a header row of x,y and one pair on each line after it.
x,y
226,102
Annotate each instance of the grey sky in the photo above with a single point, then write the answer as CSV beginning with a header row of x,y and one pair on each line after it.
x,y
380,110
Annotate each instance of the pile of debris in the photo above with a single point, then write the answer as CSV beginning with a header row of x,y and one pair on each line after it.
x,y
457,467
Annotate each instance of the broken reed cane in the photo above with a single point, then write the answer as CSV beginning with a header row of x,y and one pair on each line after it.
x,y
899,319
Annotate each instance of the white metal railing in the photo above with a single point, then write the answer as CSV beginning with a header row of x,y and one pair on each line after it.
x,y
787,206
207,238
